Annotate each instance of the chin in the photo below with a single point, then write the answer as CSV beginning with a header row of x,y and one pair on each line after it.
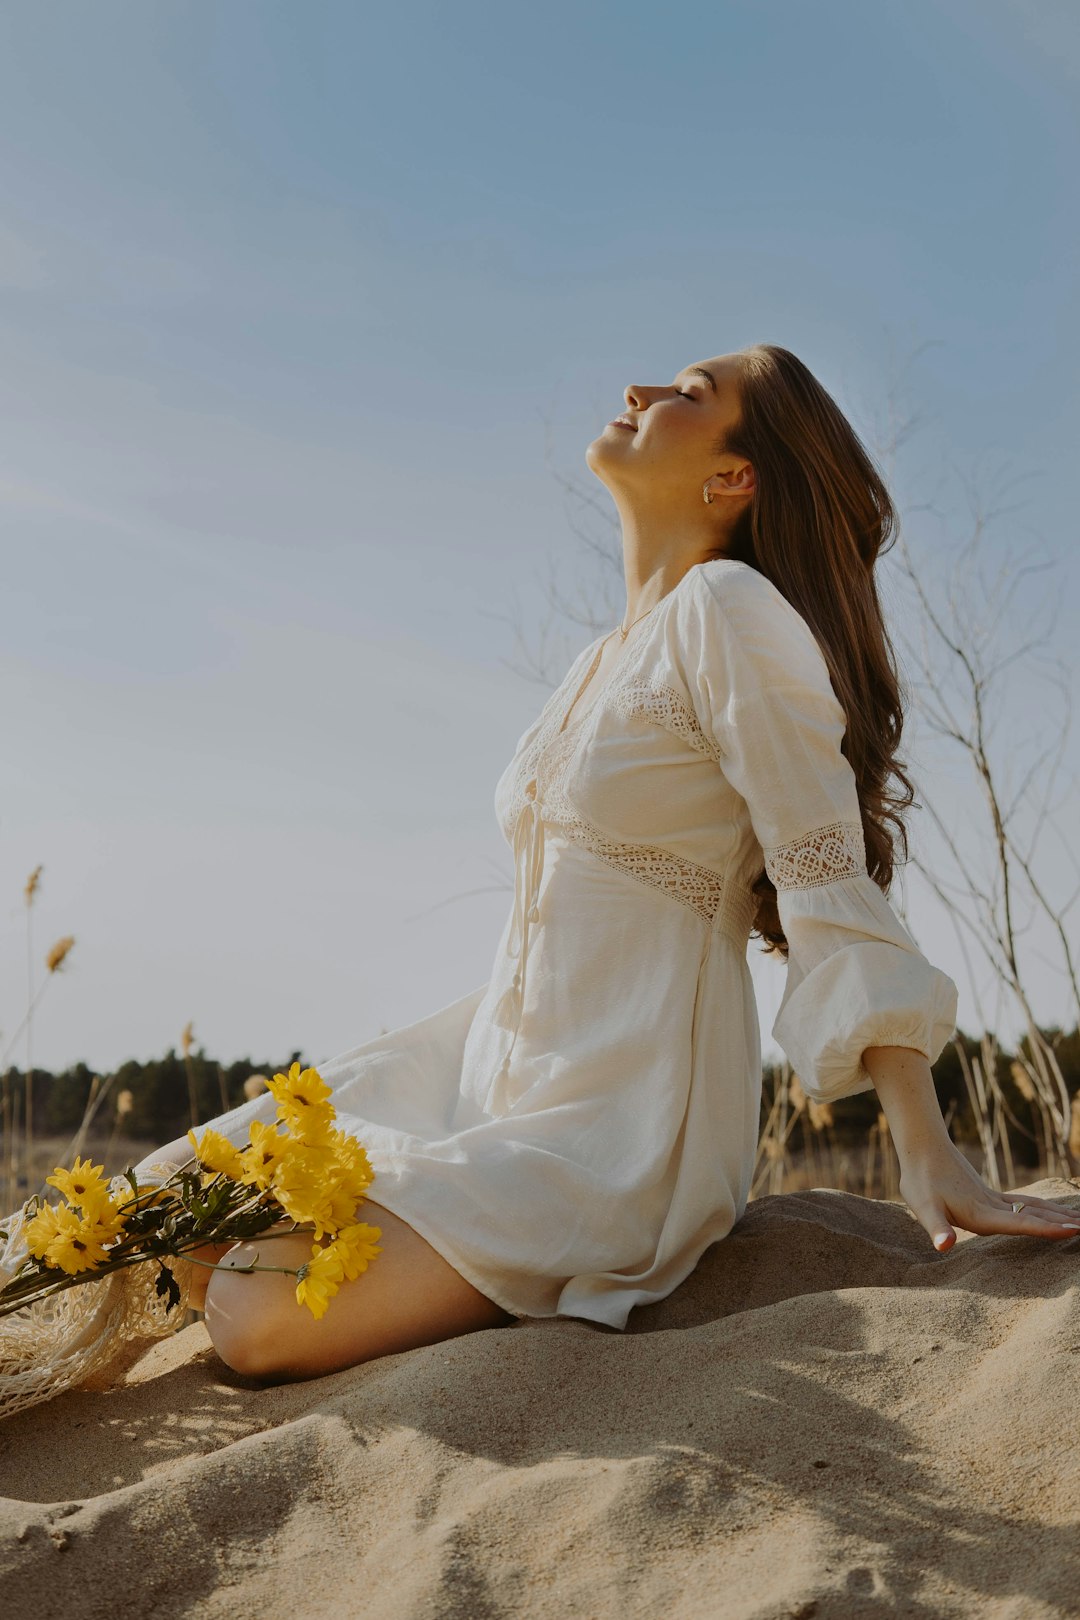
x,y
602,448
594,458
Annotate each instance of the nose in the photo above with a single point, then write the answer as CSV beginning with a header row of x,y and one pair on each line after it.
x,y
638,397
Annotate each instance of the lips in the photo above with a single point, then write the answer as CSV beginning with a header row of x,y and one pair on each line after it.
x,y
617,422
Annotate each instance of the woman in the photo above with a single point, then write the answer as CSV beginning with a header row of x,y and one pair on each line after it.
x,y
569,1138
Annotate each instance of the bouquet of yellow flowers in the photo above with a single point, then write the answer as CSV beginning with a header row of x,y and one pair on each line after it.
x,y
302,1170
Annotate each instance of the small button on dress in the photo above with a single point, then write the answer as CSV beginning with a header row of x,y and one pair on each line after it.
x,y
573,1133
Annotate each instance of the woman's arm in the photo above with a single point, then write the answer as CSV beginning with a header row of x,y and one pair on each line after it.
x,y
937,1183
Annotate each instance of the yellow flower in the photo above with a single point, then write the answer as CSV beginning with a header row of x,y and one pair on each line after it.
x,y
41,1230
303,1085
319,1279
357,1245
78,1244
215,1152
304,1205
354,1170
343,1202
106,1221
338,1209
83,1184
304,1194
302,1163
259,1162
311,1185
313,1124
303,1102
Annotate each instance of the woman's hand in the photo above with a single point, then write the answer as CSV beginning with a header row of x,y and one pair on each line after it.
x,y
937,1183
942,1189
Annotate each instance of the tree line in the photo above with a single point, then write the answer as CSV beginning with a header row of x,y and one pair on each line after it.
x,y
157,1098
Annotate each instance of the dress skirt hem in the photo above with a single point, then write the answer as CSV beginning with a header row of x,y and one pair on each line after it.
x,y
435,1237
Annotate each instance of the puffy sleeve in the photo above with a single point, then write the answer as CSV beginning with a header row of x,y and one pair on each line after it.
x,y
855,977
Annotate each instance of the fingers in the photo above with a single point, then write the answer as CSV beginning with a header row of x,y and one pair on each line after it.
x,y
1038,1217
994,1214
987,1217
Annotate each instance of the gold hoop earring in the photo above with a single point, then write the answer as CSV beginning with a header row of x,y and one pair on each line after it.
x,y
707,493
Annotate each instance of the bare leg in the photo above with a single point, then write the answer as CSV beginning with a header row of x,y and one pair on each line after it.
x,y
408,1296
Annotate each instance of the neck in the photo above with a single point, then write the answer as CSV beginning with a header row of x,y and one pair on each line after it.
x,y
657,552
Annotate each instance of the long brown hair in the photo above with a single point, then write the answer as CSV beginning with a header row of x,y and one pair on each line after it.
x,y
819,519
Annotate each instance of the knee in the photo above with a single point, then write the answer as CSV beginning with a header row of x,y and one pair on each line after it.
x,y
235,1315
266,1355
252,1319
242,1338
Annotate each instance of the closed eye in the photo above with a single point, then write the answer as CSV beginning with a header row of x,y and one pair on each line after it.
x,y
683,395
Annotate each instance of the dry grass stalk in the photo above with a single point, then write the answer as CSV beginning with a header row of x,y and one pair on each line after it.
x,y
971,1069
989,883
30,893
187,1040
18,1134
1074,1130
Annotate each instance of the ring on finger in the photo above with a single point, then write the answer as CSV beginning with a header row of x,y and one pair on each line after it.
x,y
1016,1208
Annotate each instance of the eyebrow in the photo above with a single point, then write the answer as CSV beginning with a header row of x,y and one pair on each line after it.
x,y
702,372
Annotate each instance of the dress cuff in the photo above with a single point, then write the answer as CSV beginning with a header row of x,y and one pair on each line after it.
x,y
870,993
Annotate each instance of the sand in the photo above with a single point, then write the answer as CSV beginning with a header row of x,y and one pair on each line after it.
x,y
826,1419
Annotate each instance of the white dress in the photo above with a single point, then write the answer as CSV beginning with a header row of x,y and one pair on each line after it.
x,y
572,1134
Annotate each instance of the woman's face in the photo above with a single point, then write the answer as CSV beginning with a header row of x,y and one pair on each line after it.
x,y
669,449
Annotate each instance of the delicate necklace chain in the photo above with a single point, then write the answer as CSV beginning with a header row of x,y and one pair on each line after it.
x,y
624,633
600,653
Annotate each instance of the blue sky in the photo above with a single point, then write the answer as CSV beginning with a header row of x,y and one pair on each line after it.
x,y
308,315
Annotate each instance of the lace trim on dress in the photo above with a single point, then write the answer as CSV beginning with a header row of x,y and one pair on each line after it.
x,y
629,695
542,768
822,856
532,763
699,887
664,706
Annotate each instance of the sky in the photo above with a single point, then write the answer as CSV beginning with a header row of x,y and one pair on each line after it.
x,y
308,315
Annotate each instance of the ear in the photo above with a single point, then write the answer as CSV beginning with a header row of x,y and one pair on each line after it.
x,y
736,481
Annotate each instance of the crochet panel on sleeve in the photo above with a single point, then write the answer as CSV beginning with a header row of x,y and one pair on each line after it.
x,y
822,856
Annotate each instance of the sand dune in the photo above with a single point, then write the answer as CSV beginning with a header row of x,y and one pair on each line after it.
x,y
827,1419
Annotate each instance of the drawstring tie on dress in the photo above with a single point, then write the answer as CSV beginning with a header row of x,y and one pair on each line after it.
x,y
528,871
